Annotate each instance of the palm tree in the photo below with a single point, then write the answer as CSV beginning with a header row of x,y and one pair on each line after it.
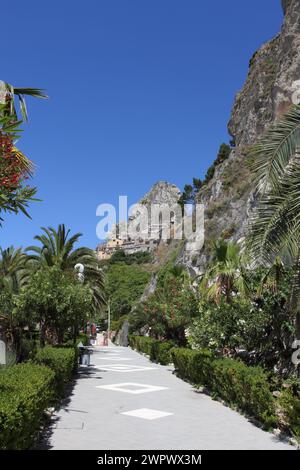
x,y
225,275
13,275
57,249
273,277
13,272
274,225
7,94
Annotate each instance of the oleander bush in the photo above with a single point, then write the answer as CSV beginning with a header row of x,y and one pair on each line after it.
x,y
26,390
244,387
62,361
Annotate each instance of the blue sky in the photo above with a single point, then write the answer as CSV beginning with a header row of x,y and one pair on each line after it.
x,y
140,91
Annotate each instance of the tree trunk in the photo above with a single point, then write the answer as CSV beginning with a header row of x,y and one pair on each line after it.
x,y
60,335
42,334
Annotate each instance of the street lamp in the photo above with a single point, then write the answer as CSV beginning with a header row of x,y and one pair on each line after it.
x,y
79,269
108,315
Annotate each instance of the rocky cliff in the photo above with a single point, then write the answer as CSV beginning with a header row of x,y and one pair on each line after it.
x,y
273,79
161,193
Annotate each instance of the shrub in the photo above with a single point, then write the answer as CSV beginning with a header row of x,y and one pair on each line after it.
x,y
83,338
125,285
28,348
193,366
62,361
237,384
135,258
69,341
239,324
290,408
159,351
223,154
171,308
116,325
25,392
142,344
244,387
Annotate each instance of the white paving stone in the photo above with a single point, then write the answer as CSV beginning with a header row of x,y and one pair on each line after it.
x,y
147,413
132,387
115,358
123,368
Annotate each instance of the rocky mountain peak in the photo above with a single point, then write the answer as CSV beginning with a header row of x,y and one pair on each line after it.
x,y
162,192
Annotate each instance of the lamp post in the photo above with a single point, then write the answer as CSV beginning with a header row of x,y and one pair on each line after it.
x,y
79,269
108,320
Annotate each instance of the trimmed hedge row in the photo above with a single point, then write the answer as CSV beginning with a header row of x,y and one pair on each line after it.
x,y
159,351
237,384
240,386
26,390
62,361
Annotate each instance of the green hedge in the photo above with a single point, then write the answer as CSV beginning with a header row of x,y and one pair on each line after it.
x,y
194,366
159,351
240,386
142,344
63,362
26,390
289,405
237,384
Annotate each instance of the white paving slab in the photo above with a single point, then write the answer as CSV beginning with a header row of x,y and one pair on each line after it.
x,y
116,358
123,368
147,413
132,387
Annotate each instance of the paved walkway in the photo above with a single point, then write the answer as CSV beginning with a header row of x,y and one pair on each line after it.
x,y
123,401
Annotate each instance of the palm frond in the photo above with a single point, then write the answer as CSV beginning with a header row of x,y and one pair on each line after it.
x,y
274,225
274,150
10,108
24,161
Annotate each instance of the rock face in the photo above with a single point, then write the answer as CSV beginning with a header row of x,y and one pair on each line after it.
x,y
161,193
285,5
270,88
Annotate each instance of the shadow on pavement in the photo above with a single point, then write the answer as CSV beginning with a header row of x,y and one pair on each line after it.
x,y
51,421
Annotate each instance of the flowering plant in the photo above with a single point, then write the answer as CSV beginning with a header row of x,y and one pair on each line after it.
x,y
15,169
169,311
